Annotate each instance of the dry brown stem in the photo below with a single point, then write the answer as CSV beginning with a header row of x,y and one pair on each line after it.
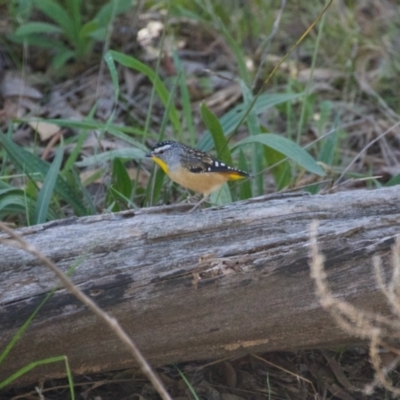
x,y
357,322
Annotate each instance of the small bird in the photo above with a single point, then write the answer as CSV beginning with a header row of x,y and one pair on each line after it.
x,y
193,169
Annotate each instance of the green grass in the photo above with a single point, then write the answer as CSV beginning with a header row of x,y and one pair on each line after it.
x,y
242,136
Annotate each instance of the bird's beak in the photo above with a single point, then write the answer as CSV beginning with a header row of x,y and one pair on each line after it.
x,y
149,154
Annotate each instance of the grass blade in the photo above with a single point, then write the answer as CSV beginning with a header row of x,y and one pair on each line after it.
x,y
113,72
16,201
160,88
254,130
128,153
245,191
190,387
121,186
217,133
153,191
185,100
29,367
46,192
393,181
286,147
116,130
36,27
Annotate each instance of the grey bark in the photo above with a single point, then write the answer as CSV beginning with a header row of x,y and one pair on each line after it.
x,y
216,283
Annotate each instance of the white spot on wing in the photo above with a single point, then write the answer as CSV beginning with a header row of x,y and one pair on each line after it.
x,y
216,163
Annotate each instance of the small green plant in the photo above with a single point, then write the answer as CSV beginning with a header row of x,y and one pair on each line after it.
x,y
69,36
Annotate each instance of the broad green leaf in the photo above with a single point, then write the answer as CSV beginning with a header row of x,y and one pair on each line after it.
x,y
74,8
46,192
215,128
37,40
88,29
98,34
5,187
58,14
37,27
160,88
286,147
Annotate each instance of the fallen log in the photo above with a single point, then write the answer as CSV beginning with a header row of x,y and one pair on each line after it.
x,y
217,283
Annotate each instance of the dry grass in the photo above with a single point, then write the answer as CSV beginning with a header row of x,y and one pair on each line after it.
x,y
374,328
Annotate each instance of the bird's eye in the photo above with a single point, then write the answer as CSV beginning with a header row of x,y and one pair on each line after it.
x,y
161,152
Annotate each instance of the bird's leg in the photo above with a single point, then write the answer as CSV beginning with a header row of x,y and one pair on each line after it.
x,y
198,204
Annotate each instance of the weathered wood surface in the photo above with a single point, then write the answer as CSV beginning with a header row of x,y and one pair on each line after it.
x,y
217,283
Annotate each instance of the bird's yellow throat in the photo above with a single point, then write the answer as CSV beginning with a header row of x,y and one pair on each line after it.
x,y
161,163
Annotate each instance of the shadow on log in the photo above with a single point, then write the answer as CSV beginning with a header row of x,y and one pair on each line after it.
x,y
218,283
